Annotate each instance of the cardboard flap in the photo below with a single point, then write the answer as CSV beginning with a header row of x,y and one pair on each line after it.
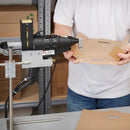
x,y
96,51
103,120
125,41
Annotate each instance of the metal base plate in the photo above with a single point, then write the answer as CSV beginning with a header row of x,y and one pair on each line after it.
x,y
35,59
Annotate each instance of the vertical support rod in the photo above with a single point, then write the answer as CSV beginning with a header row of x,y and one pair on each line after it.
x,y
47,31
44,20
10,95
41,71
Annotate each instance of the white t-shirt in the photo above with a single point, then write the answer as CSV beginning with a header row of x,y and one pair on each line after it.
x,y
108,19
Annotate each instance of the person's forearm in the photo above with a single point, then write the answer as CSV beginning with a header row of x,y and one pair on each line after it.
x,y
62,30
65,31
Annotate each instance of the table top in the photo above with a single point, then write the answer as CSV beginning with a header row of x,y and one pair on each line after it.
x,y
57,121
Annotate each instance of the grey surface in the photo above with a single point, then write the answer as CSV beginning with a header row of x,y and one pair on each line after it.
x,y
60,121
34,103
3,124
58,101
12,2
9,39
65,121
36,59
22,104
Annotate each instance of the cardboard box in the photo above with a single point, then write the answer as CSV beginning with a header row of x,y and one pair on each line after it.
x,y
4,89
103,120
59,81
13,30
99,51
10,16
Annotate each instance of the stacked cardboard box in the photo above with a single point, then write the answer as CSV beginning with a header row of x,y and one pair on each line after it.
x,y
10,16
60,78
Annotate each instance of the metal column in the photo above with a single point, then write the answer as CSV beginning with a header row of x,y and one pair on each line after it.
x,y
47,25
44,20
10,93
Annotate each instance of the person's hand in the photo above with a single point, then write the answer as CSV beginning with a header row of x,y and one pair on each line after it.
x,y
125,58
69,56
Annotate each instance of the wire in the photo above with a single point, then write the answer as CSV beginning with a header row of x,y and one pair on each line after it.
x,y
15,91
37,34
43,97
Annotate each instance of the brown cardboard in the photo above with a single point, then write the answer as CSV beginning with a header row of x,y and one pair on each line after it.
x,y
97,51
115,51
13,30
59,81
10,16
103,120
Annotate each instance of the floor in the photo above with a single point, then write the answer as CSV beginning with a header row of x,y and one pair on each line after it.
x,y
28,111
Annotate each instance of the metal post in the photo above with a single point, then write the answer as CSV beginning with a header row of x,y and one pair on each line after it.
x,y
44,10
41,71
10,95
47,26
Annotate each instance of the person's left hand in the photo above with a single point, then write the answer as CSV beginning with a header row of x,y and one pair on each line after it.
x,y
125,58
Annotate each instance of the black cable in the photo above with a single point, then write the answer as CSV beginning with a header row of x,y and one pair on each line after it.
x,y
29,80
15,91
37,34
7,100
46,88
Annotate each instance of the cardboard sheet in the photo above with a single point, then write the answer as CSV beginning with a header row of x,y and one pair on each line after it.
x,y
103,120
10,16
99,51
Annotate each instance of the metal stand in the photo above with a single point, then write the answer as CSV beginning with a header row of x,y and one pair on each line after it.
x,y
10,94
10,73
44,9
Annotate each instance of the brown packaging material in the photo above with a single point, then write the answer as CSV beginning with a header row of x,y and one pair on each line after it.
x,y
13,30
10,16
103,120
99,51
60,74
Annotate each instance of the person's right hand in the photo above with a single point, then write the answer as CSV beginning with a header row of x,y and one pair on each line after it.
x,y
69,55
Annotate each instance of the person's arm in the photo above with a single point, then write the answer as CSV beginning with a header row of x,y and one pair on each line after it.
x,y
64,30
125,57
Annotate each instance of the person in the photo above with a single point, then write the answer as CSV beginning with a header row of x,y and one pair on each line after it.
x,y
92,86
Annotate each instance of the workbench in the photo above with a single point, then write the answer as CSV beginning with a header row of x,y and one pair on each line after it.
x,y
58,121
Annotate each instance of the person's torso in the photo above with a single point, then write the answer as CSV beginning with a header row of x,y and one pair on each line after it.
x,y
107,19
